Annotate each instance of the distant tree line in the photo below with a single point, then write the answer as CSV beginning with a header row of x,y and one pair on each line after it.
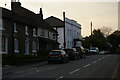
x,y
102,39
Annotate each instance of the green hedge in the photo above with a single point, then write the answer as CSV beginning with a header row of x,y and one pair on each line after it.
x,y
24,59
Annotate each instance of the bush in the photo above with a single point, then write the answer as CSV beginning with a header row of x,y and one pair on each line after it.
x,y
24,59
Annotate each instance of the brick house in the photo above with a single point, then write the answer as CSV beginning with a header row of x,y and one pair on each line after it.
x,y
31,32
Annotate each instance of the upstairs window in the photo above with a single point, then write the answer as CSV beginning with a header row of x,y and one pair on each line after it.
x,y
1,25
26,30
42,32
38,32
34,32
15,27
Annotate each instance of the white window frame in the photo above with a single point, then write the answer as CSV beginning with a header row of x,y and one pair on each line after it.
x,y
26,30
15,27
6,45
16,45
34,32
38,31
34,46
42,32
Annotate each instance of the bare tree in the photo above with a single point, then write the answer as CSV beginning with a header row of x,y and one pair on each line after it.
x,y
106,31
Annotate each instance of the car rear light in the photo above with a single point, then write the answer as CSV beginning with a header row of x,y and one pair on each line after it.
x,y
49,55
59,55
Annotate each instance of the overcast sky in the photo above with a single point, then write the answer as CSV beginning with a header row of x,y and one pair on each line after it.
x,y
102,14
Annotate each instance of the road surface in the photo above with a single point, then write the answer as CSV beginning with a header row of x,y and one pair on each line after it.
x,y
94,66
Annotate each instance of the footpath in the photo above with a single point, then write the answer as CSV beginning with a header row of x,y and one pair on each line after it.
x,y
13,69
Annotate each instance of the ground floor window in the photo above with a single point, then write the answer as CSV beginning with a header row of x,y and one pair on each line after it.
x,y
16,44
26,46
34,46
4,45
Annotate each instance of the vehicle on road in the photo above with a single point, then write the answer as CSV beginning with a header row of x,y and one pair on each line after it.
x,y
94,50
72,53
57,56
81,51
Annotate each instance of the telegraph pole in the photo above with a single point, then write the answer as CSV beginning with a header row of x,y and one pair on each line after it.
x,y
64,29
91,35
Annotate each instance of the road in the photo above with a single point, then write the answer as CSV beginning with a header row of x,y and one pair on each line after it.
x,y
94,66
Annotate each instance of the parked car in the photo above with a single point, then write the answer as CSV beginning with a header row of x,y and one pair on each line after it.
x,y
94,50
81,51
72,53
87,51
57,56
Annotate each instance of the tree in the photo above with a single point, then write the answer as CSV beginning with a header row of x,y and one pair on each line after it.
x,y
97,40
114,40
106,31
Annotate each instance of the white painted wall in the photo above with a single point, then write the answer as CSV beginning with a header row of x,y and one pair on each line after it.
x,y
61,36
72,31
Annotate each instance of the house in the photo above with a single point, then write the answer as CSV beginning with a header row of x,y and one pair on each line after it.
x,y
72,31
31,33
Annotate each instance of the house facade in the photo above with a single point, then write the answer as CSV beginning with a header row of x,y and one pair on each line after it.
x,y
72,31
31,33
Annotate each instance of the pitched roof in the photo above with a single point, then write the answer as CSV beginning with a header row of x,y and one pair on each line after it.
x,y
55,22
26,16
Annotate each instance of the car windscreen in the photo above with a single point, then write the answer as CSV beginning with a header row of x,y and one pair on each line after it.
x,y
78,49
55,52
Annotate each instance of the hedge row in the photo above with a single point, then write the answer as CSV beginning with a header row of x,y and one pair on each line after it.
x,y
24,59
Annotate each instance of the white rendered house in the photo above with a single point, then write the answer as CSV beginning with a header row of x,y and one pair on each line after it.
x,y
72,31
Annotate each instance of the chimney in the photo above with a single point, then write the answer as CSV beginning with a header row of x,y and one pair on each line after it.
x,y
15,4
41,14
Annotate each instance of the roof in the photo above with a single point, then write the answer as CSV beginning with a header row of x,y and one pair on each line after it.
x,y
25,16
55,22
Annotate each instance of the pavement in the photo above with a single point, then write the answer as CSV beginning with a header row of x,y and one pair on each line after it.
x,y
12,69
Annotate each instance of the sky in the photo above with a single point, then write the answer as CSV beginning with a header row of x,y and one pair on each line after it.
x,y
101,14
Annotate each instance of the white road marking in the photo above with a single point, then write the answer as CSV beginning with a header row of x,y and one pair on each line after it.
x,y
86,65
60,77
99,59
94,62
74,71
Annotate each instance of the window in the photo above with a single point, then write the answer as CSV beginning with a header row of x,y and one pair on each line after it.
x,y
26,30
34,32
42,32
1,24
16,45
67,31
15,27
48,34
68,44
70,32
4,45
38,31
34,45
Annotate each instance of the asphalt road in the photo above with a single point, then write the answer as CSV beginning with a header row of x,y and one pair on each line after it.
x,y
94,66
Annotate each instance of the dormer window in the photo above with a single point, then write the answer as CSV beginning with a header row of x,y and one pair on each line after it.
x,y
26,30
15,27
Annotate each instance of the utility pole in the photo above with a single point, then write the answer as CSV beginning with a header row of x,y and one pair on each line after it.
x,y
12,33
91,35
64,29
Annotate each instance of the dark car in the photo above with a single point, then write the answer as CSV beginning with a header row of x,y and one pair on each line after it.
x,y
81,51
72,53
57,56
